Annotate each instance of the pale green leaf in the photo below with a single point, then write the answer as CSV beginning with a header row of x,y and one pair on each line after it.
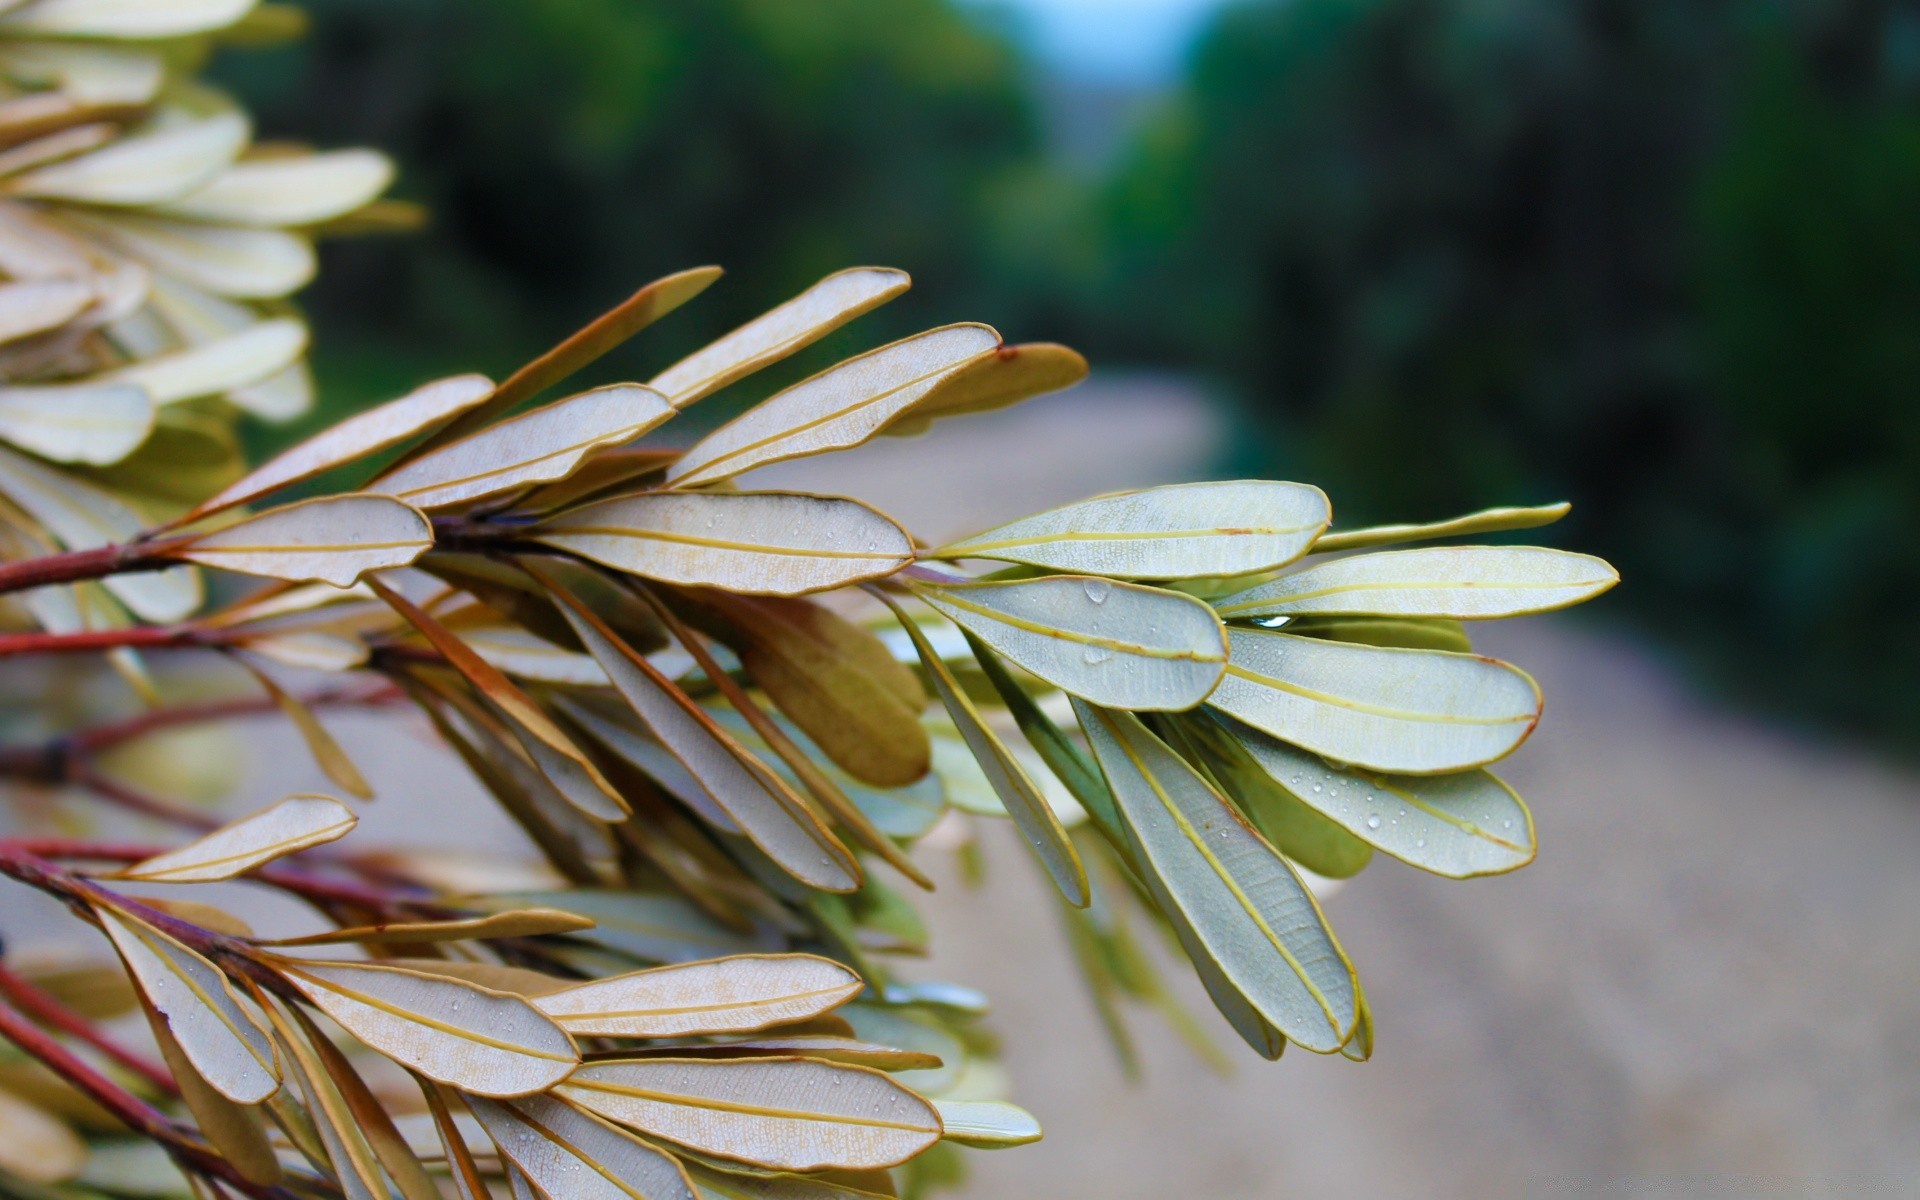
x,y
726,995
1460,582
92,422
1012,374
169,159
37,305
124,18
303,189
1121,645
1182,531
331,539
1413,712
841,407
775,334
236,1130
294,824
245,356
1489,520
987,1124
766,543
109,75
227,260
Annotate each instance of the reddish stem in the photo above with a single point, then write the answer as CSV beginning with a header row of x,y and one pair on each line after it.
x,y
75,566
102,737
49,1011
134,800
88,641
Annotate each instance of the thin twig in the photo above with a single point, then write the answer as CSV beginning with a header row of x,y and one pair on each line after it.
x,y
48,1010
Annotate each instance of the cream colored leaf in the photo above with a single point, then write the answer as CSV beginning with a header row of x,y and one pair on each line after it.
x,y
332,539
1255,919
1013,374
354,438
1462,582
90,422
1037,821
348,1156
534,447
528,922
222,1040
227,260
764,543
487,1043
825,1047
85,517
107,75
236,1130
987,1124
762,806
221,364
794,1114
1121,645
294,824
726,995
775,334
303,189
35,1145
1490,520
531,656
37,305
309,649
842,406
1413,712
1183,531
1459,825
493,976
573,1155
154,165
124,18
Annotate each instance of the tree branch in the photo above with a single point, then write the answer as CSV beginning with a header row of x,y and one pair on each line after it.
x,y
49,1011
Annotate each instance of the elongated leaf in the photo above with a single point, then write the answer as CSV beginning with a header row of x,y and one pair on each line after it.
x,y
825,1047
840,407
368,1115
835,680
37,305
534,447
85,517
768,813
294,824
226,260
347,1153
1461,582
1256,921
487,1043
124,18
763,543
606,331
790,1113
659,928
222,1040
532,922
220,364
770,337
354,438
530,656
35,1145
495,977
1031,813
716,1184
332,539
1067,761
302,189
1415,712
1459,825
1489,520
987,1124
1183,531
727,995
327,754
94,423
655,760
1410,633
1122,645
154,165
573,1155
468,1183
1013,374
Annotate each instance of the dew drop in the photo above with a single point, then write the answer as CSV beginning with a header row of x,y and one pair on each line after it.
x,y
1420,843
1373,820
1507,824
1318,788
1097,590
1095,655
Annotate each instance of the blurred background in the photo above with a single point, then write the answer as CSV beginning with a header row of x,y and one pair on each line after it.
x,y
1657,257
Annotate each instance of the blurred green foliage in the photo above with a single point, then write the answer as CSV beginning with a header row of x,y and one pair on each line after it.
x,y
1659,257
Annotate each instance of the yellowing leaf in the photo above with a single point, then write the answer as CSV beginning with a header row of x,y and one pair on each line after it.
x,y
572,1155
302,189
294,824
35,1145
245,356
1413,712
773,335
222,1040
124,18
987,1124
159,163
1459,825
1013,374
534,447
353,438
531,922
1122,645
227,260
88,422
763,543
1029,809
1257,924
487,1043
790,1113
1461,582
1184,531
333,539
842,406
1490,520
725,995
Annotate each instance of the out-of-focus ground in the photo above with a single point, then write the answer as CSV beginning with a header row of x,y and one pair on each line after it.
x,y
1708,984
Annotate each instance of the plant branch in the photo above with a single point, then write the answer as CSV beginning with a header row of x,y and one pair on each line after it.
x,y
48,1010
90,641
77,566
